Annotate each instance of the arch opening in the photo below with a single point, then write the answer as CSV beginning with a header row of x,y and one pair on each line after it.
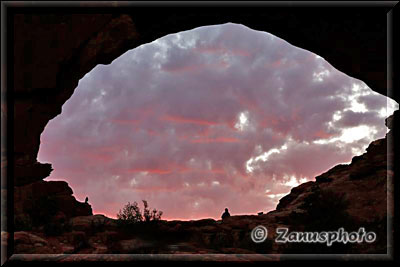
x,y
209,118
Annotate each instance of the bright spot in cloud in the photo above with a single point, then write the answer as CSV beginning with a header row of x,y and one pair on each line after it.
x,y
350,135
263,157
356,133
320,75
276,196
293,181
242,121
357,107
337,116
215,183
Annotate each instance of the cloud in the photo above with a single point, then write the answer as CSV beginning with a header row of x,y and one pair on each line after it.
x,y
219,116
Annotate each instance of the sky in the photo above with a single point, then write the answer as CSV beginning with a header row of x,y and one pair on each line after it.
x,y
197,121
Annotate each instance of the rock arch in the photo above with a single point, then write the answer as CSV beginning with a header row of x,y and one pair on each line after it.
x,y
53,51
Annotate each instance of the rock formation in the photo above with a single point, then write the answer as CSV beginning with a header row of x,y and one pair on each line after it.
x,y
52,52
46,202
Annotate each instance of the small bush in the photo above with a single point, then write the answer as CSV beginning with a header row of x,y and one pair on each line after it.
x,y
132,214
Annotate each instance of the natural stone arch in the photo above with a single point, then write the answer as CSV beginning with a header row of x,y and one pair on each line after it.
x,y
52,52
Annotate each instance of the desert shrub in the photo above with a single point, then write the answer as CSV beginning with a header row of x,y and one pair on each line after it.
x,y
131,214
148,215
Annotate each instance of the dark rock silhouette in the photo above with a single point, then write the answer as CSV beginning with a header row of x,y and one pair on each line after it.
x,y
98,39
226,214
41,202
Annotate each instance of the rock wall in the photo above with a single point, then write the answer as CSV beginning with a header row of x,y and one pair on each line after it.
x,y
367,175
51,54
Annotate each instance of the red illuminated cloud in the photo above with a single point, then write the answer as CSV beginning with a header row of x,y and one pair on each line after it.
x,y
217,140
178,119
222,50
151,171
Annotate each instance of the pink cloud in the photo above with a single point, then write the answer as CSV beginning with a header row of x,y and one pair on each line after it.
x,y
222,50
151,171
178,119
217,140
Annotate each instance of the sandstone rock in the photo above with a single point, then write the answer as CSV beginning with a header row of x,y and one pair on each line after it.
x,y
28,173
208,228
48,68
28,243
67,249
59,218
27,238
392,120
52,52
132,245
361,184
46,202
101,242
294,194
77,239
202,222
100,249
93,223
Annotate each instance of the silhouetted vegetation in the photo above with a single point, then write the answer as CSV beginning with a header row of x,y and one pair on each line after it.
x,y
132,214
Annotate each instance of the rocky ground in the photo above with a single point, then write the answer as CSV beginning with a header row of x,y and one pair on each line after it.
x,y
349,196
